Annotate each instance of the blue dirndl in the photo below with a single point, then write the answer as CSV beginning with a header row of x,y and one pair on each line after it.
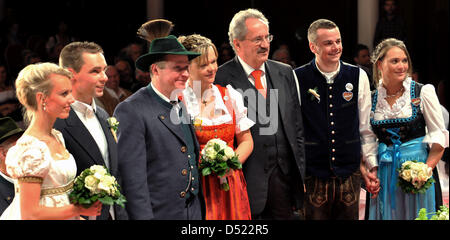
x,y
392,203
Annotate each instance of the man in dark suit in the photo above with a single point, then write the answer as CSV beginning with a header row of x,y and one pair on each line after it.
x,y
9,133
86,132
275,169
158,151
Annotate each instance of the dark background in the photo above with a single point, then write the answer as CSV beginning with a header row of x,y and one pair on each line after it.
x,y
113,24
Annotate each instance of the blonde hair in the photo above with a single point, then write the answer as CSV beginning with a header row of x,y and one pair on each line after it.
x,y
200,44
380,52
35,78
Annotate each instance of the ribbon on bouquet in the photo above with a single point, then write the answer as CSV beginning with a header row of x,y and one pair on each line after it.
x,y
392,155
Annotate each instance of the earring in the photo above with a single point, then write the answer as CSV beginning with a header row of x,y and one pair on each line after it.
x,y
44,106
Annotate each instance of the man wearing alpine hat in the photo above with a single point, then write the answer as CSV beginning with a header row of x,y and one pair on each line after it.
x,y
158,151
9,133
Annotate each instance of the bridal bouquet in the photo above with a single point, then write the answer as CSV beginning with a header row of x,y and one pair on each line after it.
x,y
415,177
95,183
218,158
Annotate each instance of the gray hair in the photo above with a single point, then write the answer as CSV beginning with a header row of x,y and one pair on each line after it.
x,y
319,24
238,29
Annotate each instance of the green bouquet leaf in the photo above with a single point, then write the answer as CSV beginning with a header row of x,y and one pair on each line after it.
x,y
96,184
441,214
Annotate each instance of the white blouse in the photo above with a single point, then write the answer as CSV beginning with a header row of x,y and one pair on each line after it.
x,y
32,157
243,123
429,105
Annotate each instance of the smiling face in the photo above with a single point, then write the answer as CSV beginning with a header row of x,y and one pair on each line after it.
x,y
173,75
90,81
204,69
254,48
327,48
394,66
60,97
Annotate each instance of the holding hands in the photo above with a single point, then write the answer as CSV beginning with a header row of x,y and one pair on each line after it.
x,y
371,180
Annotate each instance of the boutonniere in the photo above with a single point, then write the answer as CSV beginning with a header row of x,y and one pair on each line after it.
x,y
314,94
113,125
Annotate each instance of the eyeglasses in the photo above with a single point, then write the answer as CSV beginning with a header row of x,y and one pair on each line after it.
x,y
259,40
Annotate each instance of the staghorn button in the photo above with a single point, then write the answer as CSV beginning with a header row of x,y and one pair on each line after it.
x,y
182,194
184,172
183,149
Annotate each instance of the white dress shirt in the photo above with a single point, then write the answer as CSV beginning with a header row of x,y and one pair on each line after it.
x,y
86,113
248,71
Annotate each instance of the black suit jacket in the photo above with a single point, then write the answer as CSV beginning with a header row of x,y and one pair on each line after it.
x,y
84,149
282,78
6,194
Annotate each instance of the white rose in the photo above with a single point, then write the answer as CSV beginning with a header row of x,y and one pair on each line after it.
x,y
220,142
90,182
229,153
98,169
210,153
406,175
107,184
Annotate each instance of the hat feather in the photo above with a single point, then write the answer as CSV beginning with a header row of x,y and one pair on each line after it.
x,y
156,28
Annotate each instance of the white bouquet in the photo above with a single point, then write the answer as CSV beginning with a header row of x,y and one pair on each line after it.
x,y
415,177
95,183
218,158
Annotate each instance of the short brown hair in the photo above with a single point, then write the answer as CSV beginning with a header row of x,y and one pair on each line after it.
x,y
71,54
319,24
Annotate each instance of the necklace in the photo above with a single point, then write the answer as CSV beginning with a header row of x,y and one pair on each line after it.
x,y
395,94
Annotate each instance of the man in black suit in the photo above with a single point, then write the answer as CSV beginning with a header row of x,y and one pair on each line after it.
x,y
87,134
275,169
9,133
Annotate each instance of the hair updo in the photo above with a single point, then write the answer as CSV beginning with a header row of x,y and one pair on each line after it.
x,y
200,44
35,78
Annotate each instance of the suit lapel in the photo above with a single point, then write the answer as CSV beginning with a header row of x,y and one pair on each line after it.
x,y
164,117
278,82
111,143
239,77
83,137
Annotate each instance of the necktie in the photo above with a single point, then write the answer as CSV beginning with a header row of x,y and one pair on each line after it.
x,y
258,84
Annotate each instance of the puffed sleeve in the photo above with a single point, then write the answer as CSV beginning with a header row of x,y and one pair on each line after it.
x,y
432,112
243,123
28,159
